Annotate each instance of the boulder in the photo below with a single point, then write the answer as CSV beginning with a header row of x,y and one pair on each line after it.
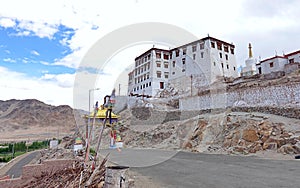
x,y
255,147
250,135
270,146
288,149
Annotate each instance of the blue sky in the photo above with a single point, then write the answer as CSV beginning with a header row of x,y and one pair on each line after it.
x,y
33,55
42,43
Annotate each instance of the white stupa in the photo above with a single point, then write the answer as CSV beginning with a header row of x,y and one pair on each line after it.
x,y
250,68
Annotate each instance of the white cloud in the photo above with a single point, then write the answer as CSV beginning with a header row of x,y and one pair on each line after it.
x,y
19,86
62,80
33,52
9,60
7,22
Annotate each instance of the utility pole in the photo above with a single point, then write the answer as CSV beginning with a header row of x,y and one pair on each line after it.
x,y
191,85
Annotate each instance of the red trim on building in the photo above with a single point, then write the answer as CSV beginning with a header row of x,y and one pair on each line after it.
x,y
292,53
149,51
283,57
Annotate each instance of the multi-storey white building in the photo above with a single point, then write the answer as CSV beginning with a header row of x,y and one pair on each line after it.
x,y
279,63
150,74
206,59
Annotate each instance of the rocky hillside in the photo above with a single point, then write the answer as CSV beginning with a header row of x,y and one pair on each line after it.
x,y
226,132
23,115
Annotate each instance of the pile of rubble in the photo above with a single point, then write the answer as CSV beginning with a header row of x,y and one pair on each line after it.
x,y
233,132
75,176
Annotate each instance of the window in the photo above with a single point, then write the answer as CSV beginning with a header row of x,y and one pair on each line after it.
x,y
141,87
226,56
221,55
157,64
136,63
147,76
219,46
194,48
201,46
135,80
148,65
173,73
183,61
202,54
271,64
232,50
146,84
145,58
161,85
139,71
158,74
184,51
149,57
166,75
234,68
135,72
142,70
166,56
166,65
149,83
227,66
226,48
177,53
212,44
171,55
222,65
291,60
158,55
134,89
183,70
174,64
194,56
144,76
137,88
214,63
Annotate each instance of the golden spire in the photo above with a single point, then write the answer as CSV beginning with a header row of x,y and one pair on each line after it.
x,y
250,51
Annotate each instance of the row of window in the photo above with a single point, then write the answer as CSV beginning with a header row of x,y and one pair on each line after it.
x,y
142,60
166,64
220,46
142,69
143,86
159,74
165,55
221,56
227,66
141,78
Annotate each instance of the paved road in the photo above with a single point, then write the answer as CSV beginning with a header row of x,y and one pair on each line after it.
x,y
16,170
186,169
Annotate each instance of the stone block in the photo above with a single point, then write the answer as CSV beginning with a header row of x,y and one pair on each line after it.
x,y
250,135
270,146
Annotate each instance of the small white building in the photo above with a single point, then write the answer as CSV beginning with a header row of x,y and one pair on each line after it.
x,y
279,63
250,68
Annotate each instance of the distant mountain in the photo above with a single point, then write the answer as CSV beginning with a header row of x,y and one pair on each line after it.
x,y
25,114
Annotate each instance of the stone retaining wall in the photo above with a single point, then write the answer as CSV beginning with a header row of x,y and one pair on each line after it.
x,y
280,96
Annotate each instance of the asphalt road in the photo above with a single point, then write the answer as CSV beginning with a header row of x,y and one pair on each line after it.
x,y
185,169
16,170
